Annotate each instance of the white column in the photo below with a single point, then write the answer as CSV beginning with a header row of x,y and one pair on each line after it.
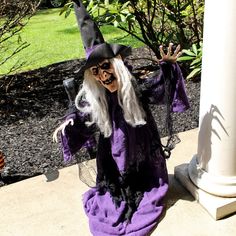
x,y
213,168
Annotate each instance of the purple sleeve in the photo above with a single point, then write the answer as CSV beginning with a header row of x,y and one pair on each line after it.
x,y
154,89
180,101
75,135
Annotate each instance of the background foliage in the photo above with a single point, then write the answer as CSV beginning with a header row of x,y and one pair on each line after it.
x,y
155,23
14,15
151,22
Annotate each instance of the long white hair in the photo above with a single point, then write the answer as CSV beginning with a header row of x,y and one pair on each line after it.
x,y
94,94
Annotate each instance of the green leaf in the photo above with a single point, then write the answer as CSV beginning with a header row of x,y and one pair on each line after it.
x,y
125,5
194,73
94,9
188,52
90,5
130,18
114,11
106,3
194,47
184,6
125,11
109,19
185,58
116,23
197,60
123,18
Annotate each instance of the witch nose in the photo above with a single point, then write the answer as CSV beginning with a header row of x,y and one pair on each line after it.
x,y
103,73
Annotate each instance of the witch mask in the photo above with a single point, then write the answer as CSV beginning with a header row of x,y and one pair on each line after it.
x,y
104,73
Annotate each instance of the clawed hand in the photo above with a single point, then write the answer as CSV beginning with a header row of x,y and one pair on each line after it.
x,y
169,57
61,128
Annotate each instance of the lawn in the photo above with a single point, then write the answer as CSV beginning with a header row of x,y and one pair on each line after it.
x,y
54,38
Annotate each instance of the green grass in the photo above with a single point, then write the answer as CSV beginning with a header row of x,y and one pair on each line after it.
x,y
54,38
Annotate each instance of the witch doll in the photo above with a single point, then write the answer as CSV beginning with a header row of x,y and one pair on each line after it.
x,y
131,179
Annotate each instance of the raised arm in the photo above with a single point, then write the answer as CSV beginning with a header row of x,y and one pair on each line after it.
x,y
167,85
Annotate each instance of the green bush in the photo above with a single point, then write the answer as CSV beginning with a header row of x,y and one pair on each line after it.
x,y
194,56
153,22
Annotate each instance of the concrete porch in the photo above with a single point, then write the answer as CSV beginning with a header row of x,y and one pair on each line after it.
x,y
43,207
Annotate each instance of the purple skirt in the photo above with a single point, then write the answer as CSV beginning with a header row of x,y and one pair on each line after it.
x,y
104,217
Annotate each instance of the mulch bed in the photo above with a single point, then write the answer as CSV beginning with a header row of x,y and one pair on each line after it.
x,y
33,105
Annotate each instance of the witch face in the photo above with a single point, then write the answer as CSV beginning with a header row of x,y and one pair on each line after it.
x,y
105,74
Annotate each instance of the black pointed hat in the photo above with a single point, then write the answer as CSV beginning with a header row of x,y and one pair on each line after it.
x,y
96,48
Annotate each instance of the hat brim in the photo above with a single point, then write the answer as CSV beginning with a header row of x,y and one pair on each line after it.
x,y
105,51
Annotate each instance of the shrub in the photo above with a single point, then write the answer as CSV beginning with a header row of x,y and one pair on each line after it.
x,y
153,22
194,56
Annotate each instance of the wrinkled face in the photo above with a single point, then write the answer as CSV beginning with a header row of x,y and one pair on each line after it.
x,y
105,74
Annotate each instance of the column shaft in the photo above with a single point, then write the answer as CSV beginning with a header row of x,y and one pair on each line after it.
x,y
213,169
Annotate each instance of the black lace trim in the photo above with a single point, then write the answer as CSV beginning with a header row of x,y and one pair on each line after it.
x,y
128,187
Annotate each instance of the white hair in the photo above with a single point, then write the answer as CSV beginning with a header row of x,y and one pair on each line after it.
x,y
95,96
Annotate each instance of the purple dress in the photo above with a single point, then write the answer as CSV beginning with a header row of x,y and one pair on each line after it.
x,y
132,178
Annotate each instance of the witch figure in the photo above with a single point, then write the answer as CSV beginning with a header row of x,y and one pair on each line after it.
x,y
132,179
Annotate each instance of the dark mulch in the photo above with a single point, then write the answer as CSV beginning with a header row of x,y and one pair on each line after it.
x,y
31,109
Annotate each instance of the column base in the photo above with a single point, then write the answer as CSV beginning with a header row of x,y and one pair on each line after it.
x,y
217,207
222,186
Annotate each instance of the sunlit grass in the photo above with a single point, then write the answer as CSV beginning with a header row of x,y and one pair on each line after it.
x,y
54,38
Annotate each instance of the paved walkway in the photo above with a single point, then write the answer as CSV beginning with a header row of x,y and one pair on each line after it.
x,y
42,206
